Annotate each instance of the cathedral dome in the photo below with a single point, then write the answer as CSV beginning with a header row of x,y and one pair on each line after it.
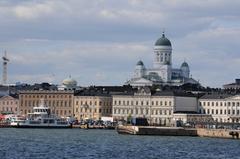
x,y
163,41
140,63
184,64
69,82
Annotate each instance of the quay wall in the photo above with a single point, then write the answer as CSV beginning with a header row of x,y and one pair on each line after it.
x,y
178,131
166,131
218,133
147,130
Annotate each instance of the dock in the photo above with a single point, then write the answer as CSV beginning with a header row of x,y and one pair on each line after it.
x,y
178,131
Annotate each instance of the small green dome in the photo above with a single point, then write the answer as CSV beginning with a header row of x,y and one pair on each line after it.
x,y
140,63
163,41
184,64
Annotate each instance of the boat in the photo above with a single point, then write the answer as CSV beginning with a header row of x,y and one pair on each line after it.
x,y
40,118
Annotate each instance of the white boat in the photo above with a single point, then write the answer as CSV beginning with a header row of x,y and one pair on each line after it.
x,y
40,118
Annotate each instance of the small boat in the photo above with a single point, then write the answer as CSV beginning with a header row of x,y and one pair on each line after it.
x,y
40,118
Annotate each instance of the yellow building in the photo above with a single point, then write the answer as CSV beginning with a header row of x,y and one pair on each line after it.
x,y
8,104
60,102
92,106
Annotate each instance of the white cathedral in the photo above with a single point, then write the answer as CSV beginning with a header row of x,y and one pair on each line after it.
x,y
162,72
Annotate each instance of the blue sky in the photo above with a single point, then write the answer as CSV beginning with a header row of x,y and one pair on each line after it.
x,y
99,42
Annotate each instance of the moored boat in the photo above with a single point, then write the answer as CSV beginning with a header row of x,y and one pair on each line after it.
x,y
40,118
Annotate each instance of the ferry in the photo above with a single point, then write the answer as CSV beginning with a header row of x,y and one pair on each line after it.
x,y
40,118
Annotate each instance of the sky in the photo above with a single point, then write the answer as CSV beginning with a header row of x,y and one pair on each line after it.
x,y
99,42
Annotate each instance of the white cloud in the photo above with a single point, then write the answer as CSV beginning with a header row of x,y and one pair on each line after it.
x,y
32,11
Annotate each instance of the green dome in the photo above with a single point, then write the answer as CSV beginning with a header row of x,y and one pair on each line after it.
x,y
163,41
184,64
140,63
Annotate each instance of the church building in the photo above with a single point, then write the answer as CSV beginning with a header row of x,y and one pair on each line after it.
x,y
162,72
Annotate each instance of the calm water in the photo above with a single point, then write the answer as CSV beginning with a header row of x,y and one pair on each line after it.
x,y
77,143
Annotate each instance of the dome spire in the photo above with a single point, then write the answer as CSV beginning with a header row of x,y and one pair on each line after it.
x,y
163,34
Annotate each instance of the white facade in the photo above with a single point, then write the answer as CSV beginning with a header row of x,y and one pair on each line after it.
x,y
157,108
162,71
223,109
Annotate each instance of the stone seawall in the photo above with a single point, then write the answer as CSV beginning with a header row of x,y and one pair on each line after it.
x,y
218,133
178,131
147,130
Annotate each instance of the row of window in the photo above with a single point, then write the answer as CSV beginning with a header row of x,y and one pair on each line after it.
x,y
48,103
161,56
220,111
142,111
156,103
9,109
86,110
8,102
91,103
46,96
219,103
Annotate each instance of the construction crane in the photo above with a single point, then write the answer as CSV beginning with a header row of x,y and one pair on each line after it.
x,y
5,62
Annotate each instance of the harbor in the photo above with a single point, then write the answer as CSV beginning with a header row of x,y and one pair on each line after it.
x,y
100,143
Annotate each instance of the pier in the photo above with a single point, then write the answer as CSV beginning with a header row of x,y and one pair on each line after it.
x,y
178,131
